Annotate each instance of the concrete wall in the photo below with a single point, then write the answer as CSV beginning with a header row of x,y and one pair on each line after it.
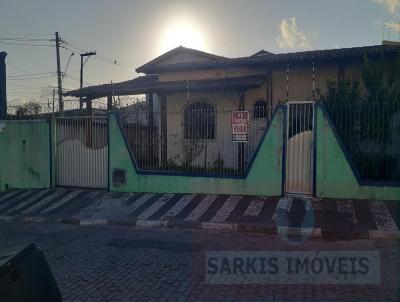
x,y
334,175
301,81
264,177
25,154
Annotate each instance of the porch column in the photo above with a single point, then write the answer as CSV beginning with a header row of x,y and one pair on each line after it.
x,y
241,161
150,133
269,93
89,106
89,130
3,94
109,103
163,100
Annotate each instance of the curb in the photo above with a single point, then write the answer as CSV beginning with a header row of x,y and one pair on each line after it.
x,y
93,222
6,218
219,226
256,228
382,235
183,224
151,223
235,227
33,219
309,232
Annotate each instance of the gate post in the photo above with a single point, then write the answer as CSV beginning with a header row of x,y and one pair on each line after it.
x,y
52,155
285,119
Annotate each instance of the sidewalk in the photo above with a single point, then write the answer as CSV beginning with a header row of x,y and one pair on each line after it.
x,y
287,216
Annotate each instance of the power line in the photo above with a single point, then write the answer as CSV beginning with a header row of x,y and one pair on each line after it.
x,y
3,38
31,78
17,85
76,79
99,57
66,67
30,34
27,44
12,64
29,74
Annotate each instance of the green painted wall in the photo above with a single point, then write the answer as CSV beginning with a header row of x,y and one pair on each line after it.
x,y
265,177
25,155
334,177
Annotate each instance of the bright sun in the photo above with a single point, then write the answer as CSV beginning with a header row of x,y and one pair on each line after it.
x,y
182,34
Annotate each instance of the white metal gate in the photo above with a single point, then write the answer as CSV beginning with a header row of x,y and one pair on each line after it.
x,y
82,151
299,148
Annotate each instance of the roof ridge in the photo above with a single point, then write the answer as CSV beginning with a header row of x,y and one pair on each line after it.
x,y
173,52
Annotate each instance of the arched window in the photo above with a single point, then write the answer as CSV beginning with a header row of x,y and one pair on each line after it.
x,y
261,109
199,121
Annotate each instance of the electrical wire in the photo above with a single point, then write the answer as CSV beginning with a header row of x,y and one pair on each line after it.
x,y
26,44
24,71
98,57
3,38
29,74
76,79
31,78
66,67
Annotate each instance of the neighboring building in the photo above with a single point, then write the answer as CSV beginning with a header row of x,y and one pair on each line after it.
x,y
191,95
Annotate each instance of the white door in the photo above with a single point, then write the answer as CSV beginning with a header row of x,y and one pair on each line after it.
x,y
299,148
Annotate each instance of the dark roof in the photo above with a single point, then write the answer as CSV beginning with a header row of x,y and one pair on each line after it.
x,y
148,66
138,86
262,61
150,84
262,52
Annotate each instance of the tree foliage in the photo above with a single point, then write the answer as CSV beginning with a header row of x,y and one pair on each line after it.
x,y
31,109
365,118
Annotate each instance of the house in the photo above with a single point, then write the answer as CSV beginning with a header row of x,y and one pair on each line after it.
x,y
191,96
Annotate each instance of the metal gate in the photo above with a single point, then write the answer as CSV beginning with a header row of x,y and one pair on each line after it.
x,y
82,151
299,148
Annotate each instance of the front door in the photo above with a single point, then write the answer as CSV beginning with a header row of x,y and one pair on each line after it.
x,y
299,148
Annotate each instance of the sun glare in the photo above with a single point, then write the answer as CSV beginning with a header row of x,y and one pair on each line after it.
x,y
182,34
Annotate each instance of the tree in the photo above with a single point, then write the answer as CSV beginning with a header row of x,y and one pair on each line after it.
x,y
28,109
364,121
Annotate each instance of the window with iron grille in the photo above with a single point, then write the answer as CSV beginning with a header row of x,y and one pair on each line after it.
x,y
261,109
199,121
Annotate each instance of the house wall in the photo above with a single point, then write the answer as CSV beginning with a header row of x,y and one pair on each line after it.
x,y
224,103
334,176
209,74
300,89
25,159
264,177
301,81
300,78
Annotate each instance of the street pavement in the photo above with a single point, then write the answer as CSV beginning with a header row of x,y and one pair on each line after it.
x,y
326,218
114,263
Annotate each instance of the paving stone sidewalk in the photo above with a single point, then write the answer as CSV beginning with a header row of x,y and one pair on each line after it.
x,y
328,217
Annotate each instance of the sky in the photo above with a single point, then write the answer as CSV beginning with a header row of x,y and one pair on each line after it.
x,y
127,34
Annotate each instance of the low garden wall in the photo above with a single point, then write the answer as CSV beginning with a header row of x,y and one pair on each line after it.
x,y
264,176
335,175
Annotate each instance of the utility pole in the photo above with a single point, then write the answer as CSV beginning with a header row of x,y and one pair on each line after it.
x,y
3,86
86,54
60,100
54,96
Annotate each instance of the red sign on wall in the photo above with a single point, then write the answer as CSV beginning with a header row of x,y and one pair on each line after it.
x,y
240,124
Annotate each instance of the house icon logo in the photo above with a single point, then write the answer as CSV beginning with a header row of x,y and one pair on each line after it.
x,y
295,219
